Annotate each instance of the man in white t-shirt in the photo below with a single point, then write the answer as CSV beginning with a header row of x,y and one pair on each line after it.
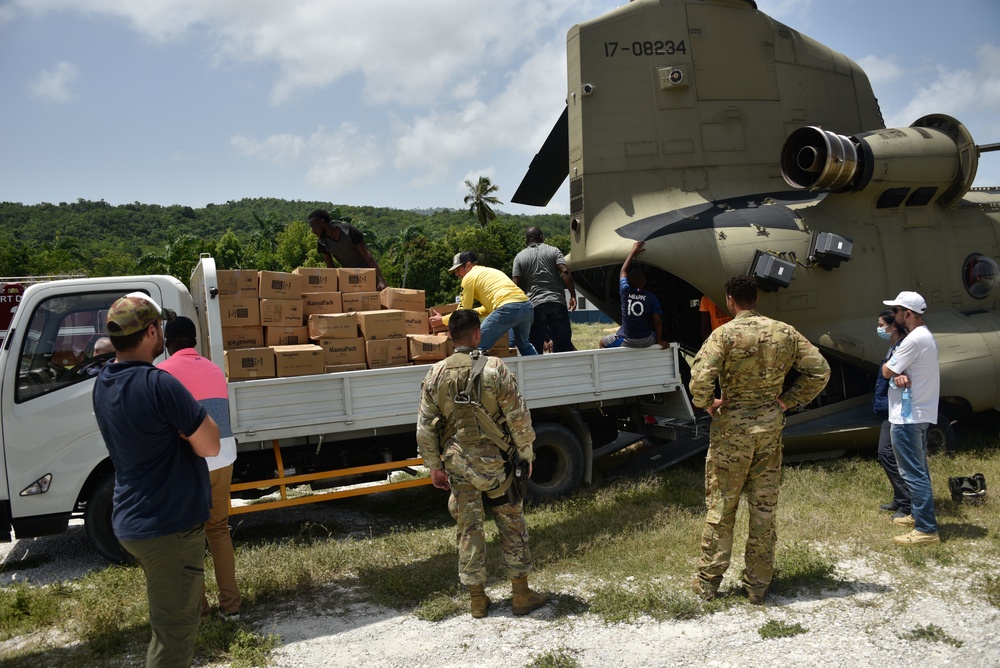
x,y
913,407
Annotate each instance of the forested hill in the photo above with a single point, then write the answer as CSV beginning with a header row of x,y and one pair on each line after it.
x,y
98,239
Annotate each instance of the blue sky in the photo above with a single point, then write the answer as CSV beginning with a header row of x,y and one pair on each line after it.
x,y
388,102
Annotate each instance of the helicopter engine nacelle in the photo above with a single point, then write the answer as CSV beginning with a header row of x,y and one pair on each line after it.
x,y
934,159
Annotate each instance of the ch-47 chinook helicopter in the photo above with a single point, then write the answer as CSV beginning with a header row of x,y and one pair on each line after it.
x,y
732,144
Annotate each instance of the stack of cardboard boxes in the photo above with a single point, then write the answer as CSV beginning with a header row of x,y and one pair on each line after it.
x,y
321,321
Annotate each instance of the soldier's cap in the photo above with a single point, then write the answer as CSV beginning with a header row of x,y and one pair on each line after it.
x,y
135,312
462,258
911,301
180,327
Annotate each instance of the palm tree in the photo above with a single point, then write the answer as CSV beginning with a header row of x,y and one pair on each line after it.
x,y
480,198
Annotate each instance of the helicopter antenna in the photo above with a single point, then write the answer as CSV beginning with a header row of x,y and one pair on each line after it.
x,y
986,148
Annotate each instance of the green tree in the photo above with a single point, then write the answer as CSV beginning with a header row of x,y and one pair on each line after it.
x,y
294,243
229,251
177,258
480,200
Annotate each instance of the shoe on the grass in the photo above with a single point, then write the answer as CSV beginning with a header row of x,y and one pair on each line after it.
x,y
902,520
889,507
229,616
917,538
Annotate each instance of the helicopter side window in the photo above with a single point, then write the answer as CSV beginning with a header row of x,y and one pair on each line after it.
x,y
980,275
59,349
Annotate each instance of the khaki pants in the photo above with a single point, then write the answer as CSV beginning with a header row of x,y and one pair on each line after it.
x,y
175,577
220,543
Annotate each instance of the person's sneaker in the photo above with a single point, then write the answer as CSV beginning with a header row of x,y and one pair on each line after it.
x,y
756,599
917,538
889,507
229,616
902,520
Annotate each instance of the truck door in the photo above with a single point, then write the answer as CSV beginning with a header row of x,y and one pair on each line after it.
x,y
54,350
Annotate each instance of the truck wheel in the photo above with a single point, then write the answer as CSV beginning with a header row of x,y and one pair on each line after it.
x,y
97,522
558,467
941,437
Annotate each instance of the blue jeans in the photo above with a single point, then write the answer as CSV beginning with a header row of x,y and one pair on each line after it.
x,y
887,458
909,444
517,316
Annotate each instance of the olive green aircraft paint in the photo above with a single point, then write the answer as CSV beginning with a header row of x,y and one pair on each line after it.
x,y
717,135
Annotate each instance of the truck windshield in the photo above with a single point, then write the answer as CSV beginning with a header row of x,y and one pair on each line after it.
x,y
66,343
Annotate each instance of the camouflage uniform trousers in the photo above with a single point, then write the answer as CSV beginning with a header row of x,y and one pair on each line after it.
x,y
744,457
466,506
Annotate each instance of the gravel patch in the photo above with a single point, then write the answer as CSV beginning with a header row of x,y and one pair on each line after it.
x,y
858,624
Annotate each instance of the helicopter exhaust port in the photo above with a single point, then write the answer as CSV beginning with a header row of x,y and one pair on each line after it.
x,y
934,159
817,159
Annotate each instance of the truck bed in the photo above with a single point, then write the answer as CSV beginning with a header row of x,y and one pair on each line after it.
x,y
357,403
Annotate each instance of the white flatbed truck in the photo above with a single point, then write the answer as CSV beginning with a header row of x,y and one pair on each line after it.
x,y
324,433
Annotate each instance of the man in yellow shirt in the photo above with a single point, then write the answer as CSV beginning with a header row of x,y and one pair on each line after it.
x,y
503,305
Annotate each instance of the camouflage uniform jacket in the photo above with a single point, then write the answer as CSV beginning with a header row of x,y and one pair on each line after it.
x,y
750,356
444,380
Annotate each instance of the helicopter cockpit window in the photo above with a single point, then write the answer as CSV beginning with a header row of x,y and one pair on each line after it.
x,y
981,275
64,344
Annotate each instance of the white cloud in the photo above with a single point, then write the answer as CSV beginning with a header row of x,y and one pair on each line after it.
x,y
54,84
517,118
331,159
880,70
959,93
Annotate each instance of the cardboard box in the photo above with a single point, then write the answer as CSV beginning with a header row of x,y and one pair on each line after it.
x,y
333,325
403,299
356,280
316,279
242,337
416,322
428,347
285,336
338,368
248,363
321,302
300,360
443,309
283,312
360,301
384,353
343,351
502,347
237,282
239,312
386,324
280,285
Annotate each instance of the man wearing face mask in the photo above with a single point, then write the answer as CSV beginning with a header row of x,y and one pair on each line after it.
x,y
888,330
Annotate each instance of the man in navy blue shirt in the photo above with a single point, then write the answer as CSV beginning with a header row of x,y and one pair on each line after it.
x,y
157,436
642,325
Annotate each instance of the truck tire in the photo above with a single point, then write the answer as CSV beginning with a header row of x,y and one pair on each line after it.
x,y
559,463
97,522
941,437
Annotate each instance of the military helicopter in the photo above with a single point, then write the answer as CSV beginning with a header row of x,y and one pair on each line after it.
x,y
732,144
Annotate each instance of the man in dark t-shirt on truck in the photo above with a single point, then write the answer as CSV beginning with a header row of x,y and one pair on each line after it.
x,y
345,243
642,324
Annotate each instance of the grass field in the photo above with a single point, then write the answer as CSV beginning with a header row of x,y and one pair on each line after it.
x,y
618,551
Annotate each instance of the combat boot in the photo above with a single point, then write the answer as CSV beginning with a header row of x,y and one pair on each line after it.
x,y
526,600
480,605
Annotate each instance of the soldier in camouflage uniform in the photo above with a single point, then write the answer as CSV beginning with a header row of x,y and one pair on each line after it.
x,y
463,458
749,356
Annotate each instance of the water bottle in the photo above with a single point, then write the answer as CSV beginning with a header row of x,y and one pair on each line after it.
x,y
907,406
